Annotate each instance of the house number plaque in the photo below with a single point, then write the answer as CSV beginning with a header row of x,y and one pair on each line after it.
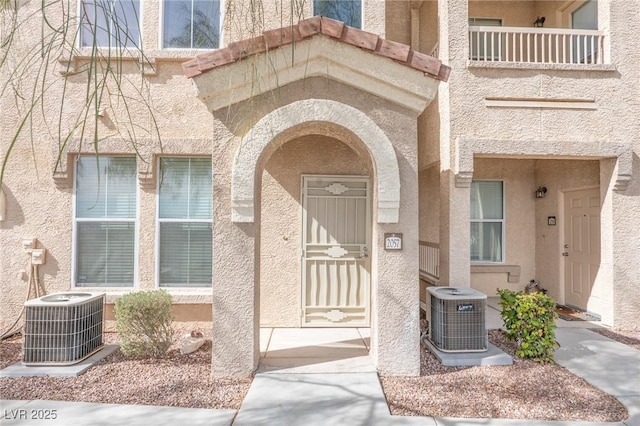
x,y
393,241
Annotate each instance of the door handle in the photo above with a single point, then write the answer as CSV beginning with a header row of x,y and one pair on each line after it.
x,y
365,252
565,253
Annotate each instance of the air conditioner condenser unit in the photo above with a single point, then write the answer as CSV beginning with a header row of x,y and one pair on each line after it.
x,y
457,322
63,328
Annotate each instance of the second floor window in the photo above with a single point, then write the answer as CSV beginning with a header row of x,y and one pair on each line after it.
x,y
110,23
191,24
487,221
347,11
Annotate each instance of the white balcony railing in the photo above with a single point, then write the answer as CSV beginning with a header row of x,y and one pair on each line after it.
x,y
536,45
435,51
429,261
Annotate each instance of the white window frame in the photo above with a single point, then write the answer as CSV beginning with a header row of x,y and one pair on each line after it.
x,y
161,31
74,239
362,14
111,46
165,220
503,222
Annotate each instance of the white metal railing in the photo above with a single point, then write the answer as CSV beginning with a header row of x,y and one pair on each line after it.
x,y
429,261
435,51
536,45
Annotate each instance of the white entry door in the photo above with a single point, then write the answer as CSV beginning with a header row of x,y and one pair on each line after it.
x,y
582,245
336,222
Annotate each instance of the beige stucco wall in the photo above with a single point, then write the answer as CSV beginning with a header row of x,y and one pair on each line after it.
x,y
430,204
178,118
281,227
625,52
557,176
520,230
37,207
612,121
512,13
394,274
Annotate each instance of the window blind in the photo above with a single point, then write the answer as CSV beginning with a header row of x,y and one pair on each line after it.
x,y
105,221
184,214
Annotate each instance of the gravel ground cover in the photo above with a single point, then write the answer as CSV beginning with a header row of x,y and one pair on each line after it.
x,y
525,390
177,380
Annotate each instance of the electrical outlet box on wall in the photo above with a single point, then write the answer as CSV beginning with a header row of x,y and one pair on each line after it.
x,y
38,256
28,244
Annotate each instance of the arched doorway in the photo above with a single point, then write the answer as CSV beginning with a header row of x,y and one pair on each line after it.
x,y
315,235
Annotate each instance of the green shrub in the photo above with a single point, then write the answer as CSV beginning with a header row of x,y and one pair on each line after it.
x,y
529,319
143,322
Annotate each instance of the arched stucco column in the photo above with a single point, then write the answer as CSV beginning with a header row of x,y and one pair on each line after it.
x,y
315,110
394,275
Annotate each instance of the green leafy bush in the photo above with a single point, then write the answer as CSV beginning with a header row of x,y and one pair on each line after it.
x,y
143,322
529,319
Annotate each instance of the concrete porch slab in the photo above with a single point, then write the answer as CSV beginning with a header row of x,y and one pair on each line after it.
x,y
493,356
20,370
315,350
294,338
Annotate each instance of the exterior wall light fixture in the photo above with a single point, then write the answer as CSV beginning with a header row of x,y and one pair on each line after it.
x,y
539,22
541,192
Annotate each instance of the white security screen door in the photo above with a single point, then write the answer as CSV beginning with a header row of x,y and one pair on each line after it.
x,y
336,222
582,245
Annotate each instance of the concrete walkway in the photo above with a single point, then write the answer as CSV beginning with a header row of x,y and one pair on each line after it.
x,y
345,398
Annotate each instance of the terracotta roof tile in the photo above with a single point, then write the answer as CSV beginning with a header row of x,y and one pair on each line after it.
x,y
424,62
310,27
214,59
331,27
393,50
281,36
360,38
273,39
247,47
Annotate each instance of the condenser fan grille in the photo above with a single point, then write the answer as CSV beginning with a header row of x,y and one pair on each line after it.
x,y
64,331
458,321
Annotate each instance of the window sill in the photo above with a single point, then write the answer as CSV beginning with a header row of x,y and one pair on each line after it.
x,y
512,271
147,59
180,296
539,66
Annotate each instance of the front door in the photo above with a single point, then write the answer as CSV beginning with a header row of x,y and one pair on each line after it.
x,y
336,219
582,245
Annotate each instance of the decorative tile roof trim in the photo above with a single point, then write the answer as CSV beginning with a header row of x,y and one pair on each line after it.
x,y
307,28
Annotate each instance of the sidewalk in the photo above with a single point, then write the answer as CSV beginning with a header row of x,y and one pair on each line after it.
x,y
347,398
